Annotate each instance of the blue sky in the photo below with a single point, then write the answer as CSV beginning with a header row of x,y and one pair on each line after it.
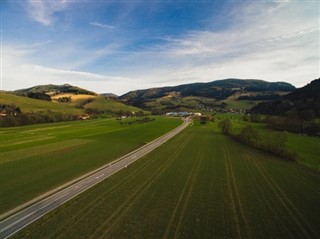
x,y
118,46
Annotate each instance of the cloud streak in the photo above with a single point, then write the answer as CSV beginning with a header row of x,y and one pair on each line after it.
x,y
19,73
102,25
264,47
258,42
43,11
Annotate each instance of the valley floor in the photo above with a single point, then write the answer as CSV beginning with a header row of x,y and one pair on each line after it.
x,y
200,184
37,158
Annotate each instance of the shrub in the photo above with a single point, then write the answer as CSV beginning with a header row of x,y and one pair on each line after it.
x,y
249,136
225,125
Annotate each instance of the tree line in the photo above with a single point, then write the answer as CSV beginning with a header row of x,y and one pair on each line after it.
x,y
137,121
271,143
21,119
95,113
292,122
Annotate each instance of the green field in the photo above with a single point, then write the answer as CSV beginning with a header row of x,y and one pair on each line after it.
x,y
239,104
201,184
37,158
305,147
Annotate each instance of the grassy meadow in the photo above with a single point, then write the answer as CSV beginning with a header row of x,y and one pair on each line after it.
x,y
37,158
77,105
30,105
306,148
95,102
105,104
200,184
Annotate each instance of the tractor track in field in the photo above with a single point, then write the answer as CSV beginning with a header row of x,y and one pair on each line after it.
x,y
287,204
262,190
130,201
94,203
185,193
237,206
190,184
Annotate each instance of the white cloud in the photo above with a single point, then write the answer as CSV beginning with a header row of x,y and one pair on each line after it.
x,y
102,25
18,73
25,75
278,42
43,11
268,41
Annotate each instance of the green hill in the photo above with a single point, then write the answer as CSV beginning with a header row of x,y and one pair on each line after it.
x,y
29,105
54,89
297,112
66,98
304,101
235,92
16,108
76,107
106,104
220,89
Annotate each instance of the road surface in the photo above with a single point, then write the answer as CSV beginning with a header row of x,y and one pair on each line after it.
x,y
28,215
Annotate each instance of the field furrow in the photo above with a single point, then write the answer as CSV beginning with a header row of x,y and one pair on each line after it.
x,y
184,198
266,196
231,194
233,181
29,169
84,212
305,227
133,198
199,160
283,200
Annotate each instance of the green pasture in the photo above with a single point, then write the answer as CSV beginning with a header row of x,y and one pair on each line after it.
x,y
305,147
179,103
201,184
105,104
239,104
33,105
37,158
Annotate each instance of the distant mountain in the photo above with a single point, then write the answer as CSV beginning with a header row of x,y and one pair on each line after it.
x,y
206,95
52,89
220,89
304,101
110,95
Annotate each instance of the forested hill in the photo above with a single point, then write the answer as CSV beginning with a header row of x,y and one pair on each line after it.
x,y
309,92
66,88
220,89
304,101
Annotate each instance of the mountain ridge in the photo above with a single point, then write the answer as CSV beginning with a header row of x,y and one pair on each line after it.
x,y
213,91
230,84
306,98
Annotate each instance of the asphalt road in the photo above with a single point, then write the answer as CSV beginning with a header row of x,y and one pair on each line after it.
x,y
28,215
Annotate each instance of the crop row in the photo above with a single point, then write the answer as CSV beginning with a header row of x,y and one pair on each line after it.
x,y
30,166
